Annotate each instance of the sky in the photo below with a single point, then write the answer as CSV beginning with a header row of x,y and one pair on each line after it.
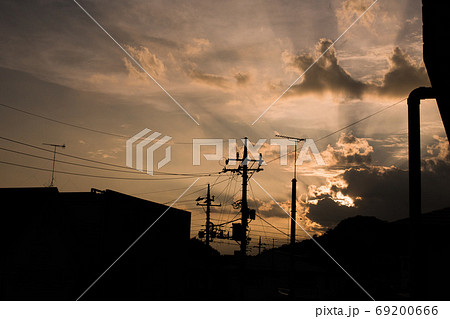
x,y
222,70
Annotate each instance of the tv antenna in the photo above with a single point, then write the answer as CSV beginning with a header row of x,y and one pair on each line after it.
x,y
54,158
293,205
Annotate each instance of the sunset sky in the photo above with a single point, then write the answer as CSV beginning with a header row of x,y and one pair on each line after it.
x,y
225,63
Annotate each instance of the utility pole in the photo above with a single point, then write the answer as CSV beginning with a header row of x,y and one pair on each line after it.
x,y
293,212
261,245
244,204
245,212
240,233
208,203
54,158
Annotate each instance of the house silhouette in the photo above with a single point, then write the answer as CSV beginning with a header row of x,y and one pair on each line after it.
x,y
56,244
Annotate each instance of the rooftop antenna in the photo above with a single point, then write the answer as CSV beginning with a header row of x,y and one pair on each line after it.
x,y
54,158
296,140
293,204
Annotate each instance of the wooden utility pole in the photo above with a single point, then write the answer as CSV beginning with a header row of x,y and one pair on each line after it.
x,y
259,246
244,204
241,235
208,203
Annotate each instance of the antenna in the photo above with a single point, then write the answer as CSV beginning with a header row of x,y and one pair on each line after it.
x,y
296,140
54,157
293,203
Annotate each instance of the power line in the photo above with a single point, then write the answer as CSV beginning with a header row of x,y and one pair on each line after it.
x,y
95,176
272,226
199,190
346,127
225,192
259,231
256,207
82,165
47,118
70,163
162,191
362,119
107,164
257,214
63,123
179,188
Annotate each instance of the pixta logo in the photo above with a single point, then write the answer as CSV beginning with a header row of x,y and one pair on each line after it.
x,y
143,145
307,149
146,144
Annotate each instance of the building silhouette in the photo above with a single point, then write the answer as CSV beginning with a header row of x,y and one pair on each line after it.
x,y
56,244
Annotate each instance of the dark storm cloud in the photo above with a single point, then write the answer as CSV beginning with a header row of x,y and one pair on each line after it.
x,y
327,212
328,76
403,75
383,191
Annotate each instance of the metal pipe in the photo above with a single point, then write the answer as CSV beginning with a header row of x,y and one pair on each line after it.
x,y
417,280
414,99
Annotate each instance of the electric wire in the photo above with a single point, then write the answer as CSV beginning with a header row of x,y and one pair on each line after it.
x,y
345,127
64,123
94,176
85,128
106,164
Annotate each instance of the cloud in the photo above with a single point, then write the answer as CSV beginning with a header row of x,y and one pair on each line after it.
x,y
327,213
269,208
350,10
149,61
437,152
374,191
105,154
385,21
436,174
349,150
371,190
328,76
197,47
403,75
242,78
209,79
